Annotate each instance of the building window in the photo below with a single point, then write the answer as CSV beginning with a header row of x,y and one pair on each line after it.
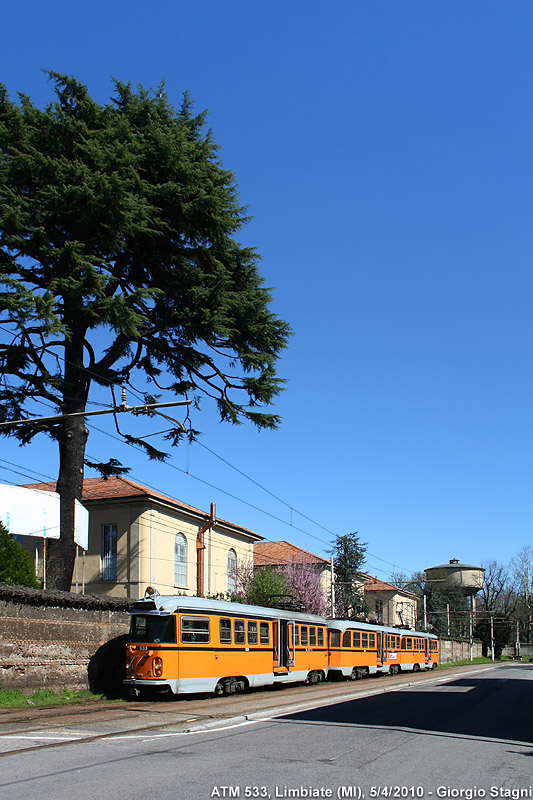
x,y
108,557
180,560
232,570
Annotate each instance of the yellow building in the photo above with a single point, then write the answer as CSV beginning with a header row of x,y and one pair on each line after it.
x,y
388,604
139,537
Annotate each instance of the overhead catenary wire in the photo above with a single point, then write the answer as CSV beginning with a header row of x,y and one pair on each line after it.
x,y
207,483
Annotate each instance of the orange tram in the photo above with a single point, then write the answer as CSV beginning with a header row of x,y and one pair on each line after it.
x,y
193,644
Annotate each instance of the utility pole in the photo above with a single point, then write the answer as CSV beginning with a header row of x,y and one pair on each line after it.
x,y
332,589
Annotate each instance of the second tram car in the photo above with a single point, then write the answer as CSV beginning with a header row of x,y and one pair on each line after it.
x,y
357,649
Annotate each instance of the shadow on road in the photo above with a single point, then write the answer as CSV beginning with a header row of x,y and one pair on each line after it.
x,y
494,708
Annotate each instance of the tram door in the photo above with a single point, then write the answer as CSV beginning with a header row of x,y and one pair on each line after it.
x,y
382,648
283,638
286,643
275,643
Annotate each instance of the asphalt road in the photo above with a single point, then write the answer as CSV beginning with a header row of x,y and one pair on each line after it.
x,y
467,734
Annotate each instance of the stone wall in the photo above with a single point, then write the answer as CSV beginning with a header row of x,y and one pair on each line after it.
x,y
454,650
61,640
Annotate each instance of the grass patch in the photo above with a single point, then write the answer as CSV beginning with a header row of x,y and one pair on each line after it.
x,y
14,698
465,662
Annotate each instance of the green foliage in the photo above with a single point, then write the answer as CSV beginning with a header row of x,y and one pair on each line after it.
x,y
348,557
118,259
122,217
447,608
16,565
264,587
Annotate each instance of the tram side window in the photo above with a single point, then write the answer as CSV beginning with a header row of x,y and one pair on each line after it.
x,y
334,638
225,631
320,637
303,633
409,644
404,642
264,634
252,633
364,639
296,635
194,629
312,637
356,639
239,631
371,639
346,639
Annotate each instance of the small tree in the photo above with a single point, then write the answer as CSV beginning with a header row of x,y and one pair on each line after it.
x,y
262,587
348,557
303,582
16,565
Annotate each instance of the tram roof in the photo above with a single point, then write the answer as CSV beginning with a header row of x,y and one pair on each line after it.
x,y
346,624
169,604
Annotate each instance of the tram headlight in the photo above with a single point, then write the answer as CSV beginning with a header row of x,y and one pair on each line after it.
x,y
157,666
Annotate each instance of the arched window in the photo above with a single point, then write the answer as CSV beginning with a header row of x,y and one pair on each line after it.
x,y
232,570
180,560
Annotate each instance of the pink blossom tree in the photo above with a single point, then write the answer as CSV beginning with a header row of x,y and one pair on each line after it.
x,y
303,582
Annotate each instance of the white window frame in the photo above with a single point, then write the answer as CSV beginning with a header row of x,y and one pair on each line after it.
x,y
232,570
108,552
180,560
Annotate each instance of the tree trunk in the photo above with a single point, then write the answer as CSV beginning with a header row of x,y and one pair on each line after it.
x,y
61,553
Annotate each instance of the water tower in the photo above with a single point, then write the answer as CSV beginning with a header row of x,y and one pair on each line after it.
x,y
468,577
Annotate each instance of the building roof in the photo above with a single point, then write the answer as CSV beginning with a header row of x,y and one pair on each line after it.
x,y
375,585
454,563
97,490
274,553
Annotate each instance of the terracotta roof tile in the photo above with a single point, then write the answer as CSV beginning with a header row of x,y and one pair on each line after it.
x,y
118,488
274,553
375,585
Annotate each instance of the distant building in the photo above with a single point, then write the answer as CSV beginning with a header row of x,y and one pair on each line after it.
x,y
139,537
388,604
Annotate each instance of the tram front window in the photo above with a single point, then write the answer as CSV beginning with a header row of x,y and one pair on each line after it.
x,y
152,629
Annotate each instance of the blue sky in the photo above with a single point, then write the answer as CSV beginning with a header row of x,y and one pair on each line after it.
x,y
385,152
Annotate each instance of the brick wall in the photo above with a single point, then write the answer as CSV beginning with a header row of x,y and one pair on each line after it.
x,y
452,650
60,640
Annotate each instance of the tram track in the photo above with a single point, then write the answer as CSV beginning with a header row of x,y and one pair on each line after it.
x,y
200,713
